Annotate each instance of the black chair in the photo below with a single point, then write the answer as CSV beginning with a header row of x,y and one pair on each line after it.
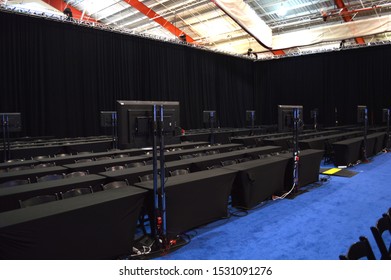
x,y
359,250
215,166
83,160
44,165
14,183
146,177
186,156
19,168
114,168
179,172
244,159
40,157
62,155
228,162
50,177
214,152
84,153
76,174
199,154
115,185
121,156
135,164
37,200
15,160
103,158
383,225
75,192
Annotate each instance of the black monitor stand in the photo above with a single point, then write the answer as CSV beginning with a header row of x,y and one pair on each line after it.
x,y
212,120
109,120
388,145
314,116
4,126
296,151
10,122
364,146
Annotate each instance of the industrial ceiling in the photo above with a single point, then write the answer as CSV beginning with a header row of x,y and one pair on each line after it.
x,y
258,28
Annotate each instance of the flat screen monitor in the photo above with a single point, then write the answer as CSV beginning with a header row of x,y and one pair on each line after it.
x,y
209,116
285,117
361,113
250,116
135,121
11,121
385,114
314,113
108,118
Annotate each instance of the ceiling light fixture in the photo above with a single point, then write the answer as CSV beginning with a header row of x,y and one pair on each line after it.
x,y
282,10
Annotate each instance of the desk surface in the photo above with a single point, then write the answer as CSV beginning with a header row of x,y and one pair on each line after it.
x,y
99,165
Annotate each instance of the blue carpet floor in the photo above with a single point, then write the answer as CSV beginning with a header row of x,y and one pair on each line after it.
x,y
319,224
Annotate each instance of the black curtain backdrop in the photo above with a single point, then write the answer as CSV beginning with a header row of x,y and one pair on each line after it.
x,y
340,79
61,75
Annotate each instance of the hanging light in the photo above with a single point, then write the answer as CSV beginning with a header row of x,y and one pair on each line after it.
x,y
282,10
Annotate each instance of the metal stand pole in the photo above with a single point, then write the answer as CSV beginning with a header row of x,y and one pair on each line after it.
x,y
388,145
159,193
364,148
4,125
296,124
114,130
165,243
211,122
157,219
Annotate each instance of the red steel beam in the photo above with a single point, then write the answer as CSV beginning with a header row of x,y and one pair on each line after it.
x,y
278,52
159,19
61,5
347,17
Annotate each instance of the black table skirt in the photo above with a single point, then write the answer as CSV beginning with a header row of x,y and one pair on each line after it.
x,y
92,226
194,199
257,180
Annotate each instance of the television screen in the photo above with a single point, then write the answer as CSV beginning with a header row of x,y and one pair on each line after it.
x,y
250,116
12,121
285,117
385,115
135,121
108,118
361,111
209,116
314,113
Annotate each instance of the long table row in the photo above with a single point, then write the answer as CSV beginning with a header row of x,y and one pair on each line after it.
x,y
111,215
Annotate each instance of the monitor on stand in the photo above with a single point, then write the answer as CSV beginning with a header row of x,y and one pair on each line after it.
x,y
209,117
250,119
10,122
108,119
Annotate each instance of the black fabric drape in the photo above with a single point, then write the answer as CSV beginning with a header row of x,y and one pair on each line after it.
x,y
342,80
61,75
